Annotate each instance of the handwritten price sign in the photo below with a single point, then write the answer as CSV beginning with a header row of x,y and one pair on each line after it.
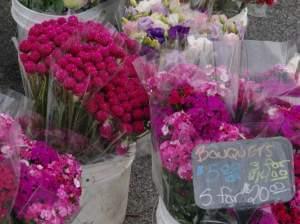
x,y
243,174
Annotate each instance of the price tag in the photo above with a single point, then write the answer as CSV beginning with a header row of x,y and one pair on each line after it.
x,y
243,174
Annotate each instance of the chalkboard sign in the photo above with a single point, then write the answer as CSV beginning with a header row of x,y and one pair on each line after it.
x,y
243,174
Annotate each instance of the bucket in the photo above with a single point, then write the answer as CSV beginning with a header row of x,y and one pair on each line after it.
x,y
144,145
105,190
26,18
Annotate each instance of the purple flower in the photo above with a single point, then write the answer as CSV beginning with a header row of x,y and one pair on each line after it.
x,y
144,23
150,52
179,32
157,33
43,154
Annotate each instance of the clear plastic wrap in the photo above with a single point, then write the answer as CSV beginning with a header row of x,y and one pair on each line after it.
x,y
95,116
66,46
35,178
79,80
240,90
13,106
50,186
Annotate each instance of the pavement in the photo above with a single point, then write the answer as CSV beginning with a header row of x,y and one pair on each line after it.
x,y
282,23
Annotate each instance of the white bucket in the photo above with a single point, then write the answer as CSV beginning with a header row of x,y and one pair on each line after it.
x,y
144,145
105,190
26,18
162,214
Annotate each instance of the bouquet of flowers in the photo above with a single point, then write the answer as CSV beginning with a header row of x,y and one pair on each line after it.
x,y
289,212
85,86
49,189
8,166
38,184
156,24
195,103
59,7
11,142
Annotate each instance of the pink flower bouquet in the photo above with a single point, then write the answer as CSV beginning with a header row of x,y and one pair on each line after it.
x,y
194,103
38,185
47,190
85,86
50,188
9,164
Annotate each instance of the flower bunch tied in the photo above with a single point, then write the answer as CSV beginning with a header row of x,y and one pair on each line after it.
x,y
81,87
193,105
156,24
59,7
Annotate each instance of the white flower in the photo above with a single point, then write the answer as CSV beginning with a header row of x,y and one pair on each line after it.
x,y
74,4
40,167
159,24
224,77
165,130
272,112
173,19
241,18
293,64
200,43
145,6
77,183
7,151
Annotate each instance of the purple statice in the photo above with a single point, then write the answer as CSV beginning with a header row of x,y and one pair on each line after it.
x,y
178,32
157,34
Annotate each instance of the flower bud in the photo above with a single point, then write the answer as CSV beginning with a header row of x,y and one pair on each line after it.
x,y
106,130
122,148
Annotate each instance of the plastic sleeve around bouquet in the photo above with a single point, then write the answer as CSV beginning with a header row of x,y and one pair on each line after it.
x,y
88,73
50,188
245,91
13,107
82,48
9,166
